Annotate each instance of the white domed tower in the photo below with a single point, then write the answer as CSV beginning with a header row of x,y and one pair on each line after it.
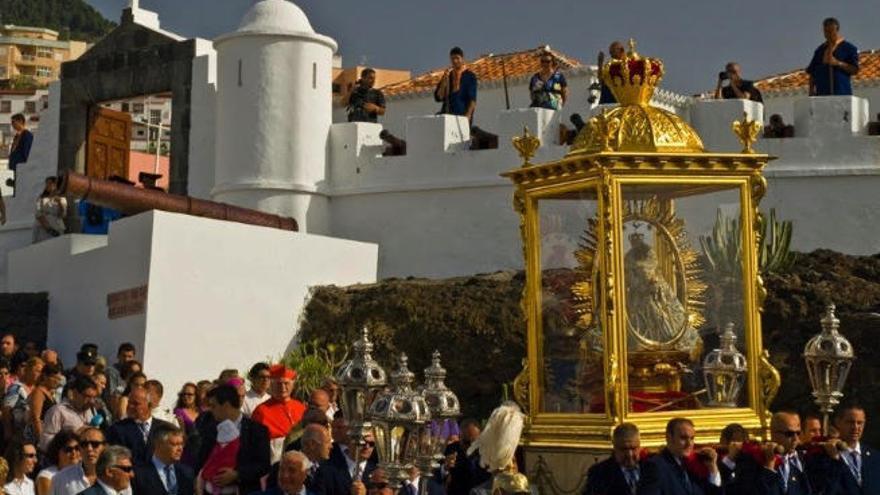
x,y
274,114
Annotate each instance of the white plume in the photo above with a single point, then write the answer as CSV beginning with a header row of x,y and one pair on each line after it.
x,y
497,443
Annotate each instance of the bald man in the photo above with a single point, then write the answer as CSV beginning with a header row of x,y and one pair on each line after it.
x,y
783,471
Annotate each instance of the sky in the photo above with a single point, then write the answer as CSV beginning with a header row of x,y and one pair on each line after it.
x,y
693,38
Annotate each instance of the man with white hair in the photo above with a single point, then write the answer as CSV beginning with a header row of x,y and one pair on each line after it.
x,y
293,470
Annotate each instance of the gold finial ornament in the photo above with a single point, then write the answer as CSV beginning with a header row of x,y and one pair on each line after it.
x,y
747,132
526,145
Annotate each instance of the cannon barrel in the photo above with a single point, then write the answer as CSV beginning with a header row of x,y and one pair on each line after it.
x,y
132,200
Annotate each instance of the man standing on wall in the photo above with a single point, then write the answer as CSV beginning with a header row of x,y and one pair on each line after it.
x,y
366,103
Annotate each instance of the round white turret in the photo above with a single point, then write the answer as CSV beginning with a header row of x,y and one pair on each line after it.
x,y
274,114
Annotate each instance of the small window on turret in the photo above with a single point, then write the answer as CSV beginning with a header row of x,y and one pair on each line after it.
x,y
239,73
314,75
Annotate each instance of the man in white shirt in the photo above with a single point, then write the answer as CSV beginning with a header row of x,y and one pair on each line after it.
x,y
78,477
259,392
156,391
71,414
115,470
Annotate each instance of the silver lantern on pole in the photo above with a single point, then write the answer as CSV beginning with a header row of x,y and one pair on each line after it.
x,y
724,370
444,407
399,416
829,357
359,378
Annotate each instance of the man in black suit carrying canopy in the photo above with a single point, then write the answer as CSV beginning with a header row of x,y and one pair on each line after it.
x,y
620,473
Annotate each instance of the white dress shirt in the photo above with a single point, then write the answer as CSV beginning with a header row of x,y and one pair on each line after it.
x,y
24,486
252,400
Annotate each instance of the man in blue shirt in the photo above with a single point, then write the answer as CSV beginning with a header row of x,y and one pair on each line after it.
x,y
21,143
833,64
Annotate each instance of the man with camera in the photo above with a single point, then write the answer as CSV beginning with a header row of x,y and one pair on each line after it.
x,y
737,87
365,103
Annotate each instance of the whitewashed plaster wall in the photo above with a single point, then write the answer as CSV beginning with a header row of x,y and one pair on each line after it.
x,y
241,288
43,162
203,120
783,102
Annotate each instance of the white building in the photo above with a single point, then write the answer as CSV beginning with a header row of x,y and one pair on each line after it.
x,y
262,106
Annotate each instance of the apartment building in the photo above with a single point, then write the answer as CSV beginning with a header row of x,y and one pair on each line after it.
x,y
35,53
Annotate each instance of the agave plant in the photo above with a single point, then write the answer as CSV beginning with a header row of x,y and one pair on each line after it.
x,y
723,248
313,363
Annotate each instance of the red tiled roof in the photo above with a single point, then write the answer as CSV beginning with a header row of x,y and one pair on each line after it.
x,y
487,68
869,70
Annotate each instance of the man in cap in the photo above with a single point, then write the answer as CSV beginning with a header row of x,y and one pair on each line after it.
x,y
281,412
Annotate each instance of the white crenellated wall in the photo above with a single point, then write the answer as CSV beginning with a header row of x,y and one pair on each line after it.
x,y
824,179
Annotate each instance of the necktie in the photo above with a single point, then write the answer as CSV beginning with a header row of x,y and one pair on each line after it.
x,y
632,479
686,480
145,431
170,480
856,465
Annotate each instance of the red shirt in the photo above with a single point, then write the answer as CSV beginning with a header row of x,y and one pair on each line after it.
x,y
279,416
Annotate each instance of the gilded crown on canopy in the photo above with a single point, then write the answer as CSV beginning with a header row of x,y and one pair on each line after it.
x,y
633,79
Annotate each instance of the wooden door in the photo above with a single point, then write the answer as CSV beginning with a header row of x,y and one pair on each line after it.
x,y
109,143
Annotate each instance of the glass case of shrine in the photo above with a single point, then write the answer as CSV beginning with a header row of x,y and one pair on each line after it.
x,y
642,287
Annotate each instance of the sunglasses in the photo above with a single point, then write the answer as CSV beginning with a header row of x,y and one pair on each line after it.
x,y
370,444
124,469
30,456
69,449
94,444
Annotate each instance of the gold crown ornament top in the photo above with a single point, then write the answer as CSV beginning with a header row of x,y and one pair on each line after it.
x,y
633,79
634,126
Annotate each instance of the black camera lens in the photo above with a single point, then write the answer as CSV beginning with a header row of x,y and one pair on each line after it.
x,y
723,75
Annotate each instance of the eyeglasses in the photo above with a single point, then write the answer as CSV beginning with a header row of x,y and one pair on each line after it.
x,y
262,377
788,433
124,469
69,449
187,394
92,444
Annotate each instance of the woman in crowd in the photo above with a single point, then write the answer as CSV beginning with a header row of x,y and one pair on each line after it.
x,y
22,459
63,451
187,411
202,395
103,415
548,86
41,399
51,211
15,405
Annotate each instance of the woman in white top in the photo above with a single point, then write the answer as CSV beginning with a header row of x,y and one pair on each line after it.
x,y
51,210
22,458
63,451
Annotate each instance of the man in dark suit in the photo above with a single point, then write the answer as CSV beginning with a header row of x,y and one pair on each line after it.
x,y
731,440
850,468
620,473
252,461
463,472
666,473
134,431
347,465
323,477
115,470
164,475
783,475
293,470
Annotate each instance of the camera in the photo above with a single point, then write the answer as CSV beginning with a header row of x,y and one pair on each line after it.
x,y
723,75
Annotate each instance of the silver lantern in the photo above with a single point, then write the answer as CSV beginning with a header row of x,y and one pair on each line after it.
x,y
724,370
444,407
829,357
399,416
359,378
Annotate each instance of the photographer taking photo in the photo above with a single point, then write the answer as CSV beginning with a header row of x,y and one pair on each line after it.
x,y
365,104
737,87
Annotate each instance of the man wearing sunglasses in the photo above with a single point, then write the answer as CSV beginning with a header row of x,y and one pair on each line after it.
x,y
115,470
364,465
79,477
784,471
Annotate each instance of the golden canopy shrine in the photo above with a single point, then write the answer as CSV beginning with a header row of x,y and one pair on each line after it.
x,y
642,293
